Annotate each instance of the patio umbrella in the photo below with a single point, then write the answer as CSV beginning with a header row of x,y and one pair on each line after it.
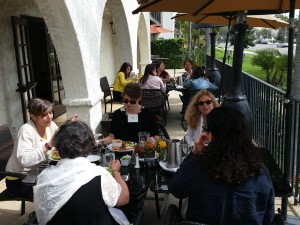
x,y
266,21
155,29
254,7
243,7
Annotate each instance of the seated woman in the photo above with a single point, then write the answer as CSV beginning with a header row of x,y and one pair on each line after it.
x,y
121,81
161,71
196,113
150,80
198,82
31,145
131,119
188,67
76,191
226,181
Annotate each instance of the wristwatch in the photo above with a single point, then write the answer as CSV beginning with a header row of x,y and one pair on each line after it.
x,y
48,146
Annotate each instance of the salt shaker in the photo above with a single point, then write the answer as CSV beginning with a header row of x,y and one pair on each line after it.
x,y
137,161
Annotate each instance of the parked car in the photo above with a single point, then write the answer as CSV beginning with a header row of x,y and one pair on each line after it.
x,y
282,45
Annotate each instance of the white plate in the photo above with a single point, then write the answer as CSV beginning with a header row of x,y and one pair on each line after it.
x,y
50,154
123,150
164,167
93,158
50,157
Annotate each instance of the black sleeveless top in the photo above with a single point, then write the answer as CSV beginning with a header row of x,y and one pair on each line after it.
x,y
85,207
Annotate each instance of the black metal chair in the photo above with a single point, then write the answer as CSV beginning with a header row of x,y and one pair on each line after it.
x,y
186,98
6,149
163,133
107,93
155,100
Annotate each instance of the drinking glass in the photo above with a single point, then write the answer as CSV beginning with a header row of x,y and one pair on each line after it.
x,y
109,156
143,136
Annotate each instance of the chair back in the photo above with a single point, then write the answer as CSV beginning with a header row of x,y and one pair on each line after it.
x,y
6,146
105,86
153,99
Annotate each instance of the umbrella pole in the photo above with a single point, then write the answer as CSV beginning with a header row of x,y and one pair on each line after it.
x,y
235,98
213,73
289,108
224,58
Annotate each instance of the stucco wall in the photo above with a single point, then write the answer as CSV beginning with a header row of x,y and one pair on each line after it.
x,y
10,104
84,52
169,24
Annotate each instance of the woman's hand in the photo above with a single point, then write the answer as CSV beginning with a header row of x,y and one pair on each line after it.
x,y
115,165
74,117
200,143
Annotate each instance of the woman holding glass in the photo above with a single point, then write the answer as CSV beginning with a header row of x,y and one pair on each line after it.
x,y
131,119
199,107
227,175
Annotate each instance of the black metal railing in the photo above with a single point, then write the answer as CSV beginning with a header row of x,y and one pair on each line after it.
x,y
269,120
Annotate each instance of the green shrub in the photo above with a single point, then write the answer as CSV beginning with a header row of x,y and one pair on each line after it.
x,y
169,48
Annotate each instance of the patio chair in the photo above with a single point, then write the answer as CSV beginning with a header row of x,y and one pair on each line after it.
x,y
155,100
6,149
107,93
186,98
163,133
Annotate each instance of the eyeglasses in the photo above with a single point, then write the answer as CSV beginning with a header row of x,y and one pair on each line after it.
x,y
132,101
207,102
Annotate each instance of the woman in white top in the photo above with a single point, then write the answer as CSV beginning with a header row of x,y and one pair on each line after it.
x,y
31,144
199,107
150,80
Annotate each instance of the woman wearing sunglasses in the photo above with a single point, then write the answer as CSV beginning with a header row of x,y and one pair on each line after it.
x,y
201,104
131,119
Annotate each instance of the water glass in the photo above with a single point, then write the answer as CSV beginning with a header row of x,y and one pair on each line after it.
x,y
143,136
109,156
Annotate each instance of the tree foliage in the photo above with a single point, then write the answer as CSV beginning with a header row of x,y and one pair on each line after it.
x,y
273,63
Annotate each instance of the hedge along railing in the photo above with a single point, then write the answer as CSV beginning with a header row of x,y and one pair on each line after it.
x,y
171,49
269,120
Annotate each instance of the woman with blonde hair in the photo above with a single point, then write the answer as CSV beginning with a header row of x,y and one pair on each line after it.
x,y
199,107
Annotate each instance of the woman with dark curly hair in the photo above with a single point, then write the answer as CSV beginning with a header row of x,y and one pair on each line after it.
x,y
226,181
76,191
201,104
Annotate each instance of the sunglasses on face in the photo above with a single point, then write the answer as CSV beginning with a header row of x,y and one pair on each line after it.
x,y
132,101
207,102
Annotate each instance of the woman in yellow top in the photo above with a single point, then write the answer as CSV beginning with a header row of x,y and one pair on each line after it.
x,y
120,80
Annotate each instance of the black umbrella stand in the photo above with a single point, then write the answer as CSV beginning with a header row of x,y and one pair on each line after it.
x,y
234,98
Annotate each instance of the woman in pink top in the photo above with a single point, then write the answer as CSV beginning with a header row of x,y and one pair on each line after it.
x,y
150,80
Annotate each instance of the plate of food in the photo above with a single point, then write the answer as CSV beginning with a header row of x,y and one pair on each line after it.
x,y
126,146
54,156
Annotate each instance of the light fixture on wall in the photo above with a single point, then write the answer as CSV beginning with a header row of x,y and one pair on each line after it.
x,y
112,26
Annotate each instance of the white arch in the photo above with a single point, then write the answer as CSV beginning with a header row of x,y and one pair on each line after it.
x,y
74,28
144,41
